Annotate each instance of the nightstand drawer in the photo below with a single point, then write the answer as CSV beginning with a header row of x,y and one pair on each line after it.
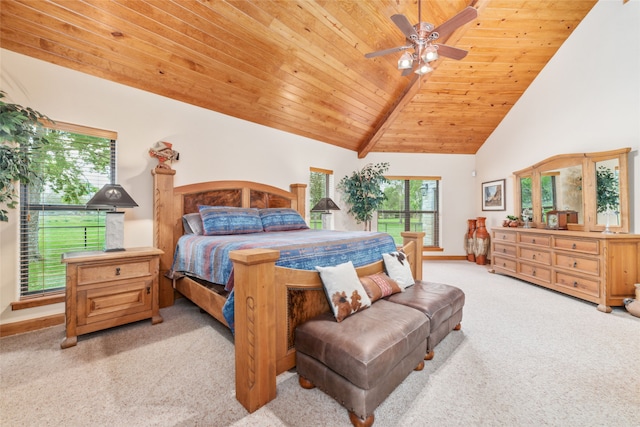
x,y
104,303
119,270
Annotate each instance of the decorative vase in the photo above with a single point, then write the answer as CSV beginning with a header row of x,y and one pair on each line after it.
x,y
482,241
470,240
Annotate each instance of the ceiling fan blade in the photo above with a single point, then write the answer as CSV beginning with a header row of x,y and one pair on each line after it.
x,y
387,51
467,14
405,26
451,52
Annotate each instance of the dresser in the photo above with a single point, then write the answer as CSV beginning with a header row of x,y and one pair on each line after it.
x,y
106,289
596,267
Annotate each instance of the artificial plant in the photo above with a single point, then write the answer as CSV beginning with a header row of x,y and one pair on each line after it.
x,y
21,132
363,191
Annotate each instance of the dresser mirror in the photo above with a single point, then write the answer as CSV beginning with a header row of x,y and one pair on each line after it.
x,y
592,186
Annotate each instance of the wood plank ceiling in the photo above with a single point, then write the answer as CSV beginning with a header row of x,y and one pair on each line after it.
x,y
299,65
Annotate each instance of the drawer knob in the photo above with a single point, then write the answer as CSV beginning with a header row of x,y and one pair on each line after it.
x,y
504,250
575,264
148,290
533,273
573,246
575,284
117,271
533,240
534,256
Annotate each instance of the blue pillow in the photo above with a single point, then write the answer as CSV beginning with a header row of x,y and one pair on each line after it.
x,y
218,220
282,219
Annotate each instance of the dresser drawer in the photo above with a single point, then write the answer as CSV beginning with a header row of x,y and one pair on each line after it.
x,y
504,236
587,286
535,239
535,272
535,255
504,263
104,272
582,265
578,245
502,249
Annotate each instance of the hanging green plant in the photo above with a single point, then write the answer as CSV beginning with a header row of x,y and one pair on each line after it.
x,y
20,134
363,191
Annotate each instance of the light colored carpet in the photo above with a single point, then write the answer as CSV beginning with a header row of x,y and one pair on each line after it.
x,y
525,356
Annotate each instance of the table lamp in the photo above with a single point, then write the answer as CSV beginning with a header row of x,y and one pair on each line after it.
x,y
113,195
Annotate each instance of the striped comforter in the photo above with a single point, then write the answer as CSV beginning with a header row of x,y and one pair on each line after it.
x,y
207,257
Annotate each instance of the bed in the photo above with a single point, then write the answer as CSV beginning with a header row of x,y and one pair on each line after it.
x,y
270,300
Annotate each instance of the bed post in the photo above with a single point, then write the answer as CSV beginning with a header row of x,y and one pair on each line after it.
x,y
255,325
163,224
416,257
300,192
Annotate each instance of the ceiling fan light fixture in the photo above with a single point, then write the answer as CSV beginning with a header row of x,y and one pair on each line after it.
x,y
423,69
405,62
430,53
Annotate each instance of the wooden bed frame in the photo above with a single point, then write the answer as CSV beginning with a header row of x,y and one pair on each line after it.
x,y
270,301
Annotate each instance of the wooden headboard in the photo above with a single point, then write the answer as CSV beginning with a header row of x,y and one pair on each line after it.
x,y
170,204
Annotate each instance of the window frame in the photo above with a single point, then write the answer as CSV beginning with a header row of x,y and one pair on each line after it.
x,y
407,212
43,296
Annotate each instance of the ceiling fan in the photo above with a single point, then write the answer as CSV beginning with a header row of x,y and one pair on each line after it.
x,y
421,38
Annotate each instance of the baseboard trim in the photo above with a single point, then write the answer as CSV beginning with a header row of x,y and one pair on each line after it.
x,y
444,258
30,325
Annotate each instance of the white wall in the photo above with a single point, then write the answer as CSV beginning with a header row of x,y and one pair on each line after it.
x,y
586,99
212,146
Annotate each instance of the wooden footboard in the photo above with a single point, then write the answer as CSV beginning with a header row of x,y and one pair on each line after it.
x,y
270,302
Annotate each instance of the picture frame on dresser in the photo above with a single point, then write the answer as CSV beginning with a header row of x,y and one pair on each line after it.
x,y
493,195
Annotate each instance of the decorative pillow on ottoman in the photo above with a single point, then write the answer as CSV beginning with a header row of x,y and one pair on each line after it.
x,y
344,291
398,268
379,286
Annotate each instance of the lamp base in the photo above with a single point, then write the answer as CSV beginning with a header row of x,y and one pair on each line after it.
x,y
114,232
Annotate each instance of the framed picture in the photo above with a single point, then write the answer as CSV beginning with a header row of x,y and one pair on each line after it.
x,y
493,195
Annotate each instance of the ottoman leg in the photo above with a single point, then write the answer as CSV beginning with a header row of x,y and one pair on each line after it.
x,y
457,327
429,355
359,422
305,383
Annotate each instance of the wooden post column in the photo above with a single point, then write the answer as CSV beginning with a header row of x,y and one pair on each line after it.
x,y
255,325
416,258
163,229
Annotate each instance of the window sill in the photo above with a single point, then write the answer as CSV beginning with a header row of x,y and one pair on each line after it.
x,y
37,301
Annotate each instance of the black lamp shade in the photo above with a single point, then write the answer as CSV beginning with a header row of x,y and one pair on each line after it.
x,y
112,195
324,205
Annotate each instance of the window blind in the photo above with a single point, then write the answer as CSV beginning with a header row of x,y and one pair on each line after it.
x,y
53,217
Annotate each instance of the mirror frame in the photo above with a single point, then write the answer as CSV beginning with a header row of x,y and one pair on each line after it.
x,y
588,162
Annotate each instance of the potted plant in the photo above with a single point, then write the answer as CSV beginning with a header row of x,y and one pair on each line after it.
x,y
512,221
363,192
20,134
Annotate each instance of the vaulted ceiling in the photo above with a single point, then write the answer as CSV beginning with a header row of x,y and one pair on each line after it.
x,y
299,65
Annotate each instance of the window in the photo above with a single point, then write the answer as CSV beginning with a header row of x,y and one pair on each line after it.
x,y
412,204
53,216
320,184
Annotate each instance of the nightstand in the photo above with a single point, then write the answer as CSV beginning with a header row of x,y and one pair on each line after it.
x,y
106,289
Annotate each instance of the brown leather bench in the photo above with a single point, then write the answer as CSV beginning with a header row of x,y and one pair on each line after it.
x,y
362,359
